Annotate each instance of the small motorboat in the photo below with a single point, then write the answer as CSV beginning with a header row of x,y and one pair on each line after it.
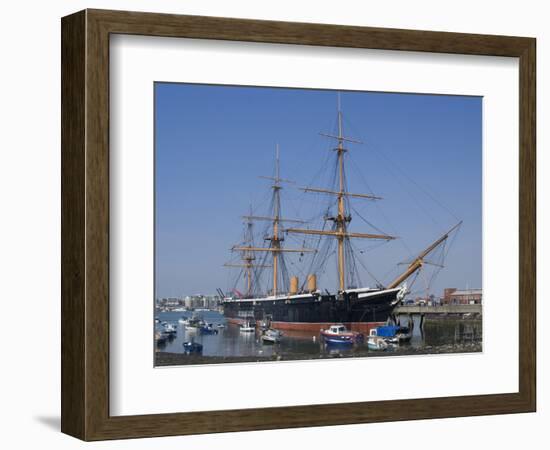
x,y
161,338
192,347
339,334
265,323
208,329
248,326
375,342
182,319
171,329
220,325
169,336
394,334
194,323
389,333
271,336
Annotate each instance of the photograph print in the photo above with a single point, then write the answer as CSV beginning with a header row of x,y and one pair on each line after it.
x,y
304,224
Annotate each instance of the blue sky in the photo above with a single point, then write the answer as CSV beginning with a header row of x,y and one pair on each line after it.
x,y
422,153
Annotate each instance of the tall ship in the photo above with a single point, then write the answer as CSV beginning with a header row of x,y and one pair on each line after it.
x,y
271,293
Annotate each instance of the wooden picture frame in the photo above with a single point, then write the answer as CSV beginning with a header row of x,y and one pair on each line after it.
x,y
85,224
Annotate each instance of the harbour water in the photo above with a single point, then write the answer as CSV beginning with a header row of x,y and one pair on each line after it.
x,y
449,335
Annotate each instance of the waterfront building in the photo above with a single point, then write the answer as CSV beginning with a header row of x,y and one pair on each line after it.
x,y
454,296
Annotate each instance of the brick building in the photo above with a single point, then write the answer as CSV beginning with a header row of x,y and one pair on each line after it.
x,y
454,296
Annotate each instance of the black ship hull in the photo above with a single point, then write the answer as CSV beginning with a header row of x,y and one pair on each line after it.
x,y
310,312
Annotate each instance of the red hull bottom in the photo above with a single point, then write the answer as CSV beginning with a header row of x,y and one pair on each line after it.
x,y
315,327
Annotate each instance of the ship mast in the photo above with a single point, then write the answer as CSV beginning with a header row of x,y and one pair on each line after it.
x,y
342,218
276,238
419,260
247,257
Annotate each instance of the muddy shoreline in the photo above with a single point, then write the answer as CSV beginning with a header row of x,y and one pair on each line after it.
x,y
178,359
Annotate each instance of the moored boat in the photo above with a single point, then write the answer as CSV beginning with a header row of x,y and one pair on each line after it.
x,y
194,323
208,329
271,336
339,334
388,333
375,342
394,334
248,326
161,338
192,347
170,329
265,324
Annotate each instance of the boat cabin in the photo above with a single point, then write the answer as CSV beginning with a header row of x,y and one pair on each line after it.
x,y
337,329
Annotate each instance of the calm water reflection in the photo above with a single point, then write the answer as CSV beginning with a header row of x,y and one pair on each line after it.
x,y
438,336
